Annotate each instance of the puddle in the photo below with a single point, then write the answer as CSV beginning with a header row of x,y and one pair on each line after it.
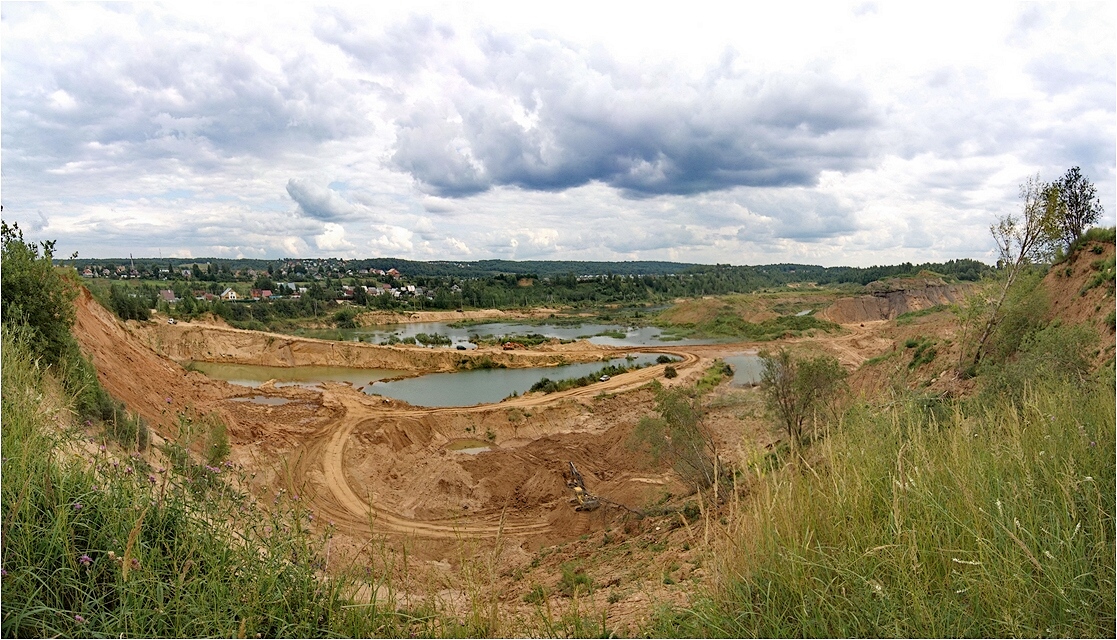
x,y
748,369
468,446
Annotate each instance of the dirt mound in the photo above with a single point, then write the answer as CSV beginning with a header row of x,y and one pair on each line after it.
x,y
890,298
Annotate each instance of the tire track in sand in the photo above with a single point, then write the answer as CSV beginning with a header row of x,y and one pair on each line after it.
x,y
348,509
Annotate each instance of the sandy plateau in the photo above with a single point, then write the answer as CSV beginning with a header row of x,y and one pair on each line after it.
x,y
457,527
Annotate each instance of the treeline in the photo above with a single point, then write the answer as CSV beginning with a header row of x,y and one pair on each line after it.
x,y
321,297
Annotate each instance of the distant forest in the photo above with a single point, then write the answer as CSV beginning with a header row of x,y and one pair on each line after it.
x,y
305,268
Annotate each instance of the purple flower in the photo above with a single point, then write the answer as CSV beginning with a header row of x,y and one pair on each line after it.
x,y
135,564
151,479
79,619
77,506
128,470
168,400
85,560
3,573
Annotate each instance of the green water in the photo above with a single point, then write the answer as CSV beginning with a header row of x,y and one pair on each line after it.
x,y
251,375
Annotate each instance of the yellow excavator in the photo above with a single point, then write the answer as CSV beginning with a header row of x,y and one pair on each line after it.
x,y
583,500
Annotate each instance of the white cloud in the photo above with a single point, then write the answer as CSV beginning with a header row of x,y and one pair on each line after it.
x,y
822,132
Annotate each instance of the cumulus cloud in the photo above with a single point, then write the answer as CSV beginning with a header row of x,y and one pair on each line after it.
x,y
318,202
849,134
542,115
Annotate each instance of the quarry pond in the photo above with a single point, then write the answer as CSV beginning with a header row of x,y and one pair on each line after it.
x,y
459,388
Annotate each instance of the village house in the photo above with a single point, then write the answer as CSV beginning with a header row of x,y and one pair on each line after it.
x,y
229,294
168,296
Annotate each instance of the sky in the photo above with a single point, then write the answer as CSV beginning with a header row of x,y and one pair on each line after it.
x,y
741,133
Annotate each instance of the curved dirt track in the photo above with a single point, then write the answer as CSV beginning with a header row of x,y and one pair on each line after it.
x,y
325,453
308,448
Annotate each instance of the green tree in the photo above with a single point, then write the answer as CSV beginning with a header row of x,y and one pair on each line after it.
x,y
1078,204
678,435
34,293
1022,242
796,389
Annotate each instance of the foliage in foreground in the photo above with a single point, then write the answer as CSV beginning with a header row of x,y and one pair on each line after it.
x,y
93,546
987,518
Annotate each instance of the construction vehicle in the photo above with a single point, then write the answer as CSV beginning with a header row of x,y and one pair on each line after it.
x,y
583,500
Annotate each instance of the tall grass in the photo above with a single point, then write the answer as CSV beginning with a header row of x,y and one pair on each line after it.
x,y
96,545
993,517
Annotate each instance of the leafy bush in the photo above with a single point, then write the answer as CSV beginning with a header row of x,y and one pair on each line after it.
x,y
796,389
678,436
33,293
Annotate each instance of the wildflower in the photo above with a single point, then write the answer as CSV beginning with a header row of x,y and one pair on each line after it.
x,y
3,573
168,400
128,470
102,447
1093,443
999,509
135,564
151,479
79,619
1088,479
1048,554
77,506
85,560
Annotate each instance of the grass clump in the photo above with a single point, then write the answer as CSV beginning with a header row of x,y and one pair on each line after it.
x,y
96,546
911,316
991,517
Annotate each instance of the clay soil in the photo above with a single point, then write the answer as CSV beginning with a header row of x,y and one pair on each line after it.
x,y
466,530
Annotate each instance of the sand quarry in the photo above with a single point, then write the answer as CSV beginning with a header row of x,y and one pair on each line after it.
x,y
389,480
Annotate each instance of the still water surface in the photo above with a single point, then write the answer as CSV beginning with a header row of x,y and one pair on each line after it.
x,y
460,388
747,368
464,388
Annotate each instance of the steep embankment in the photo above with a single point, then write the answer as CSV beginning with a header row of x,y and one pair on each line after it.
x,y
151,385
1081,290
893,297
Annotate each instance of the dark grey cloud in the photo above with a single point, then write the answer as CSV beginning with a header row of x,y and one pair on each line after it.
x,y
321,203
538,114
